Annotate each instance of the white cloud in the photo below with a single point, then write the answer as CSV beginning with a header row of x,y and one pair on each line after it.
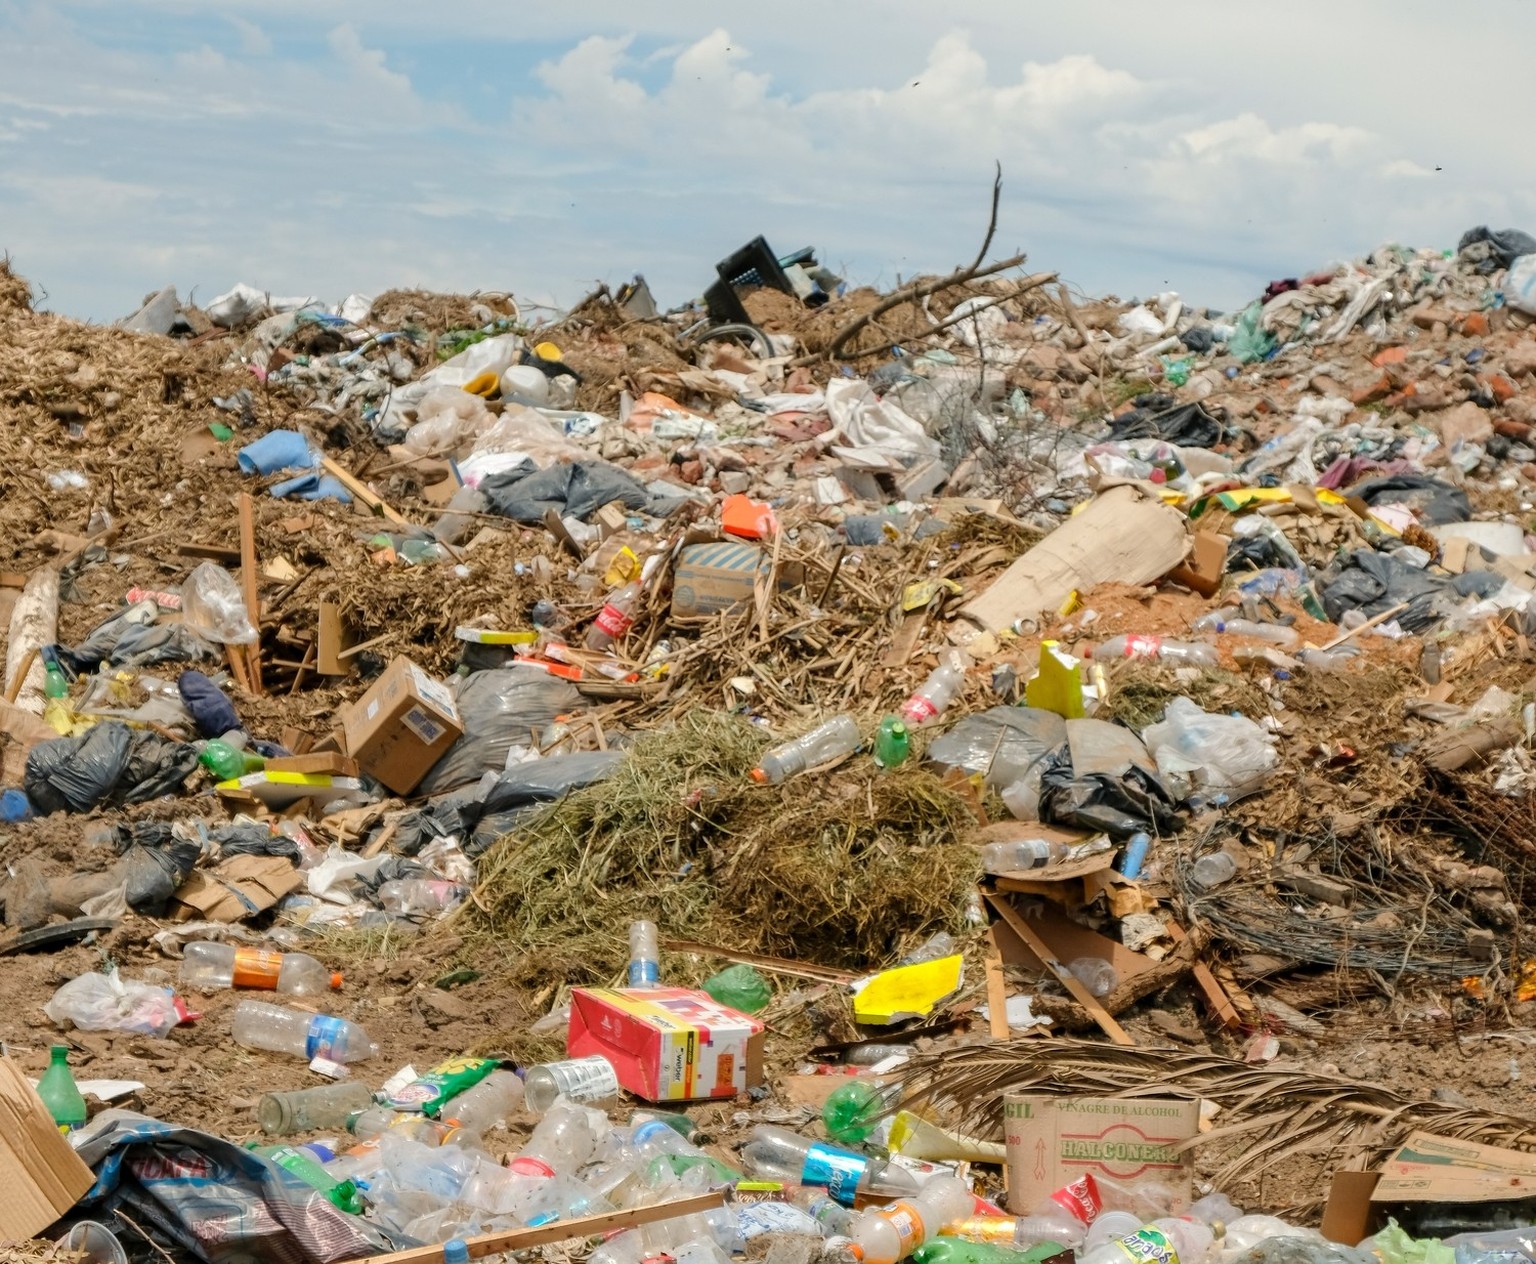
x,y
254,42
366,64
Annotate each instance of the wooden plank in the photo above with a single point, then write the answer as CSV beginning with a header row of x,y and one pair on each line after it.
x,y
219,553
362,492
997,990
1215,995
561,1231
333,636
250,585
353,650
1070,981
1365,627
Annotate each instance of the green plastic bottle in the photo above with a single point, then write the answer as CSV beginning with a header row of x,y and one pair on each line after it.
x,y
296,1162
943,1250
228,764
741,987
892,743
852,1112
55,682
58,1091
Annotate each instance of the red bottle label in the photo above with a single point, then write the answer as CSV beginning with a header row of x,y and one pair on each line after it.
x,y
613,621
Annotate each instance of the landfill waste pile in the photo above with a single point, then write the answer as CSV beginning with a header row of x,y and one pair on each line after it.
x,y
970,773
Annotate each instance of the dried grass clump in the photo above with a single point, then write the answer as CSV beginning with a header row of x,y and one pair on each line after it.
x,y
15,292
1139,692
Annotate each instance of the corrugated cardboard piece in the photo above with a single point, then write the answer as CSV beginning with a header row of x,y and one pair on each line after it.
x,y
236,889
1122,537
1054,1140
40,1176
402,726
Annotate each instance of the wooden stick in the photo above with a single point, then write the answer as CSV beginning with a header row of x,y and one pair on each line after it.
x,y
14,691
361,491
1366,626
250,585
561,1231
1070,981
1215,995
771,965
997,990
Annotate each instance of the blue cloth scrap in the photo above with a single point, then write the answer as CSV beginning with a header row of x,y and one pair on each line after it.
x,y
312,487
278,450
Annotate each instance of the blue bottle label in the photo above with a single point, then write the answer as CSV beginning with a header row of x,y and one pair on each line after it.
x,y
644,974
324,1035
838,1170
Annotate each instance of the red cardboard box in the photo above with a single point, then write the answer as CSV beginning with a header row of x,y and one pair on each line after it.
x,y
668,1044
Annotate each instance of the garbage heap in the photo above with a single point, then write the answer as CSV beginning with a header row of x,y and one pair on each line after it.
x,y
966,773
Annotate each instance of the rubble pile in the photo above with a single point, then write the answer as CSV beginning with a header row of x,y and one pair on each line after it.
x,y
809,773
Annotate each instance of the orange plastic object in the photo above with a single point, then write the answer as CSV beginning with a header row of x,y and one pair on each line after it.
x,y
748,518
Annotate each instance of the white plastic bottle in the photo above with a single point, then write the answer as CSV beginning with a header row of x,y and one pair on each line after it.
x,y
1173,1240
1274,633
278,1030
615,618
1028,853
1156,647
590,1079
214,966
935,694
644,955
887,1234
837,737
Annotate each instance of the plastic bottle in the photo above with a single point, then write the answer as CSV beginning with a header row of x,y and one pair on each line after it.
x,y
307,1168
59,1093
472,1114
614,619
1212,870
564,1140
430,1092
644,955
211,966
1324,660
1064,1217
590,1079
228,764
839,736
1155,647
1173,1240
1028,853
1215,619
777,1154
852,1112
740,987
278,1030
420,895
873,1055
310,1109
1135,855
888,1234
1275,633
935,694
892,743
1095,974
1109,1226
55,682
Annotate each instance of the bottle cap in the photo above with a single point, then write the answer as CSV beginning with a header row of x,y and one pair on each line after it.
x,y
337,979
759,776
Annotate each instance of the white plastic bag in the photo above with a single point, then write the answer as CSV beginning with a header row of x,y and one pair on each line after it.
x,y
1197,751
211,605
107,1002
1520,285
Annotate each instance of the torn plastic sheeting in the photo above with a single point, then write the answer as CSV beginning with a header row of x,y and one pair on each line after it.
x,y
277,450
311,487
864,425
499,709
1372,582
1196,750
332,879
220,1202
576,490
1436,503
1161,416
540,780
108,1002
1003,743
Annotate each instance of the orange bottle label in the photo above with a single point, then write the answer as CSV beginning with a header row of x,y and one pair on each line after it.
x,y
907,1220
257,968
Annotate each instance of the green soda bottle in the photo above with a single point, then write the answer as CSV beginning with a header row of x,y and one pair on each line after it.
x,y
943,1250
296,1162
892,743
228,764
852,1112
58,1091
55,682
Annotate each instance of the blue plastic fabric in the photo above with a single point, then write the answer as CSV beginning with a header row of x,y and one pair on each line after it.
x,y
312,487
277,450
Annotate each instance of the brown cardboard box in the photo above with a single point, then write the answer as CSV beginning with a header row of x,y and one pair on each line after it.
x,y
1054,1140
332,763
40,1176
236,889
401,726
709,578
1202,570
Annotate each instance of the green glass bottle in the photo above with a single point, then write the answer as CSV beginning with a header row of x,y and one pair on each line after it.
x,y
59,1093
296,1162
892,743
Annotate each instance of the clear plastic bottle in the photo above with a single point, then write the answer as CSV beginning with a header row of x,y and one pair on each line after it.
x,y
1155,647
1172,1240
839,736
777,1154
304,1165
278,1030
311,1109
934,695
1108,1226
1064,1217
644,955
887,1234
1212,870
1213,621
873,1055
1027,853
565,1139
1274,633
473,1113
590,1079
615,618
420,895
1095,974
215,966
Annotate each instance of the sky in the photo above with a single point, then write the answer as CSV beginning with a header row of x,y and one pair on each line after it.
x,y
310,147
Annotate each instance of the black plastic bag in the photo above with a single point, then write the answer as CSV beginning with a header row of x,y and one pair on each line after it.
x,y
152,874
1117,805
542,780
75,774
1373,582
1436,502
576,490
1160,416
1492,250
155,766
249,839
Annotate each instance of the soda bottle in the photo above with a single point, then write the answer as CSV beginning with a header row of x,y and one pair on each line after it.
x,y
1275,633
777,1154
852,1112
1135,855
59,1093
579,1079
278,1030
644,955
892,743
1174,1240
212,966
228,764
1064,1217
307,1168
935,694
614,619
55,682
837,737
310,1109
420,895
887,1234
1155,647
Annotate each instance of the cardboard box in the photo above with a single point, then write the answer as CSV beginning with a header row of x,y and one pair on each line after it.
x,y
1207,561
1054,1140
326,763
236,889
401,727
709,578
41,1178
668,1044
